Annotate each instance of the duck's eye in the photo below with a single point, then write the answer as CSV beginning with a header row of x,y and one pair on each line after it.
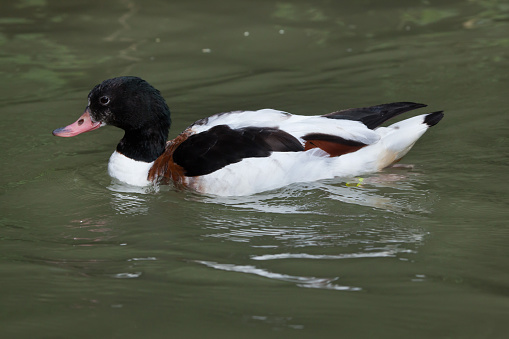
x,y
104,100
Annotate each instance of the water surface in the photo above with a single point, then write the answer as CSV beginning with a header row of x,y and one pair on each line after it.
x,y
418,252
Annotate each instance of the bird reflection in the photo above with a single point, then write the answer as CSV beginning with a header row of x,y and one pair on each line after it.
x,y
335,220
320,221
295,199
126,199
307,282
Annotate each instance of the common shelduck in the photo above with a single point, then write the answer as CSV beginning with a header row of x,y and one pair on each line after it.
x,y
243,152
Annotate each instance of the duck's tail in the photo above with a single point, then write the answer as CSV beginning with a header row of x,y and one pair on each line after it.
x,y
432,119
397,139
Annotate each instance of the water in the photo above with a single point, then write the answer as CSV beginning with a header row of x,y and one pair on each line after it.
x,y
416,252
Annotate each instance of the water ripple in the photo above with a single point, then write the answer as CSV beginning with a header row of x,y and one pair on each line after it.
x,y
301,281
383,254
127,275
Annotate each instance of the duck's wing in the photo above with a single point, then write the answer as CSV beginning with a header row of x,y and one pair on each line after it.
x,y
219,146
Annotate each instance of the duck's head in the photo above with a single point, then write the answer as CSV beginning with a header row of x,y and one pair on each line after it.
x,y
129,103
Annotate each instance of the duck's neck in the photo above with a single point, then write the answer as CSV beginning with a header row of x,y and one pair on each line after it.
x,y
144,144
127,170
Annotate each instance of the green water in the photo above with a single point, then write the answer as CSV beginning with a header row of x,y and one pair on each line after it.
x,y
412,253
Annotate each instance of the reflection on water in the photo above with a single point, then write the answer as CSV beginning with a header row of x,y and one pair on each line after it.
x,y
72,250
315,241
329,220
299,198
391,253
307,282
276,323
89,232
302,197
127,275
124,203
335,221
127,199
330,225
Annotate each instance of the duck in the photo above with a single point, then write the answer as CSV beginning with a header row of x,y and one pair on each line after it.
x,y
243,152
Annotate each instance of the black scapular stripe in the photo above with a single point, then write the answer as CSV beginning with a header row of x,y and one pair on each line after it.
x,y
219,146
374,116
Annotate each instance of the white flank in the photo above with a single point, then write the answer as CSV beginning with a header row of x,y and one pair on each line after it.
x,y
127,170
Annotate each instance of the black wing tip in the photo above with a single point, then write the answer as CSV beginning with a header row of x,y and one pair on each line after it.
x,y
433,118
374,116
409,104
